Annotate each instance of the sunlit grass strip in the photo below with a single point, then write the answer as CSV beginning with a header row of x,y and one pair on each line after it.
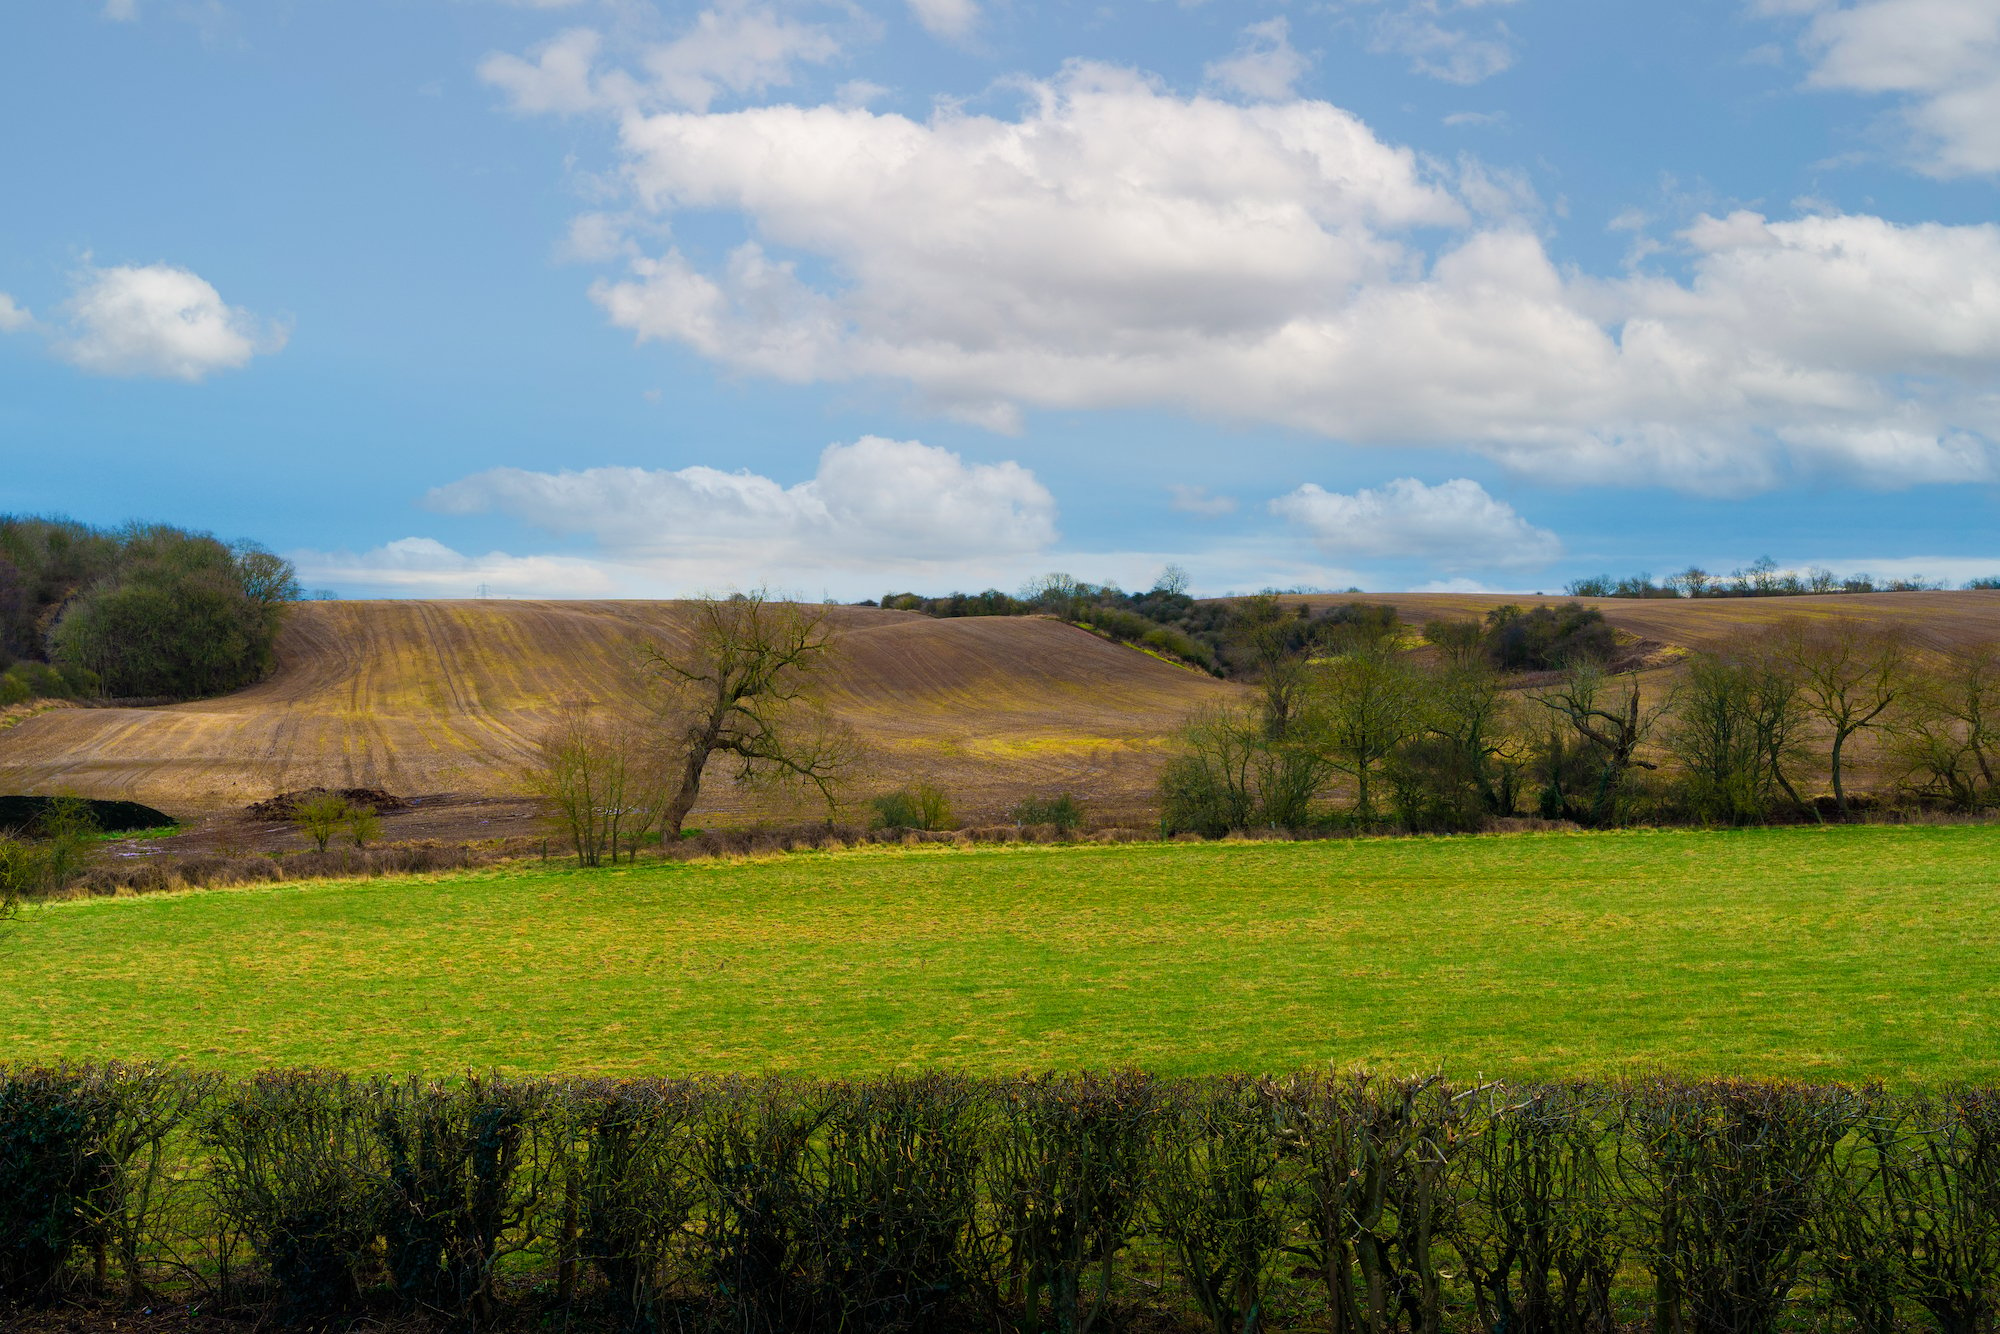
x,y
1832,954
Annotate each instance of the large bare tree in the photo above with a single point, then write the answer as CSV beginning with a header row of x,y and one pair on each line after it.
x,y
748,684
1611,717
1849,675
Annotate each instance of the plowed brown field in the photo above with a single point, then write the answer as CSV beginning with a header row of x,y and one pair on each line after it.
x,y
418,696
1932,619
421,697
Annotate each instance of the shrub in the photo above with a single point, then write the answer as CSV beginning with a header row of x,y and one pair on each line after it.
x,y
1548,637
1727,1179
1063,813
920,806
1375,1164
53,1174
452,1159
1065,1173
1215,1199
1914,1213
295,1169
1543,1243
754,1157
628,1187
364,826
320,817
900,1172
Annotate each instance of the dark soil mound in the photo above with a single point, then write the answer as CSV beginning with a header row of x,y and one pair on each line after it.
x,y
113,817
286,804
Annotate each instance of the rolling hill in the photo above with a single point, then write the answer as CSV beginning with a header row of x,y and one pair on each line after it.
x,y
418,696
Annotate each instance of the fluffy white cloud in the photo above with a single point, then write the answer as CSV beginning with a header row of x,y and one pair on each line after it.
x,y
157,320
737,47
1262,271
1265,67
1116,245
13,318
424,567
875,510
878,505
1455,525
1941,56
953,20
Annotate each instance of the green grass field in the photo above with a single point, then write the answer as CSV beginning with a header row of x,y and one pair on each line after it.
x,y
1841,953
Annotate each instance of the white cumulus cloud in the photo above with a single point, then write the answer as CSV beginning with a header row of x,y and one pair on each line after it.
x,y
1115,244
952,20
13,317
1265,66
1940,58
738,47
876,506
158,320
1454,525
425,567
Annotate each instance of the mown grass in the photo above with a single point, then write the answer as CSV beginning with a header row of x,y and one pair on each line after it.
x,y
1839,953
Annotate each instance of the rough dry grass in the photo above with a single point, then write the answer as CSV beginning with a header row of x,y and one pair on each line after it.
x,y
421,697
1837,953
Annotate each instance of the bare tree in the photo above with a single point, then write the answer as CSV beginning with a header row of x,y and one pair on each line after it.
x,y
1280,642
748,686
1360,707
1849,674
1612,718
604,778
1466,707
1738,724
1948,738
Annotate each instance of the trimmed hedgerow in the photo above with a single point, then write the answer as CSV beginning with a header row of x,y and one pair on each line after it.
x,y
1061,1202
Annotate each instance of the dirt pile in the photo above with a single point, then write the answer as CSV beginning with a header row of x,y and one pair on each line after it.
x,y
285,805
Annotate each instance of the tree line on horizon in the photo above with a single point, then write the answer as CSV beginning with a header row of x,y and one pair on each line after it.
x,y
1762,578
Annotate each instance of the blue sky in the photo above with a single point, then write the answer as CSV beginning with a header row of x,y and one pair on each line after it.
x,y
612,297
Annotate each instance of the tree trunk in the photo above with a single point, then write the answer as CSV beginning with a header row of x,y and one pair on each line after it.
x,y
1839,792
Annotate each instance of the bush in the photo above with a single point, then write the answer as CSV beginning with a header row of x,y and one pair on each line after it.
x,y
1064,814
1068,1166
920,806
628,1189
53,1173
1215,1200
320,817
1728,1179
180,616
1548,637
941,1202
454,1159
295,1170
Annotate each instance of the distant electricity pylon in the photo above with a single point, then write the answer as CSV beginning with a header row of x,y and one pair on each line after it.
x,y
483,590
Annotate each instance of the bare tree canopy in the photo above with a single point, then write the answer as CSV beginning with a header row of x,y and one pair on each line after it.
x,y
606,780
1612,719
748,685
1849,674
